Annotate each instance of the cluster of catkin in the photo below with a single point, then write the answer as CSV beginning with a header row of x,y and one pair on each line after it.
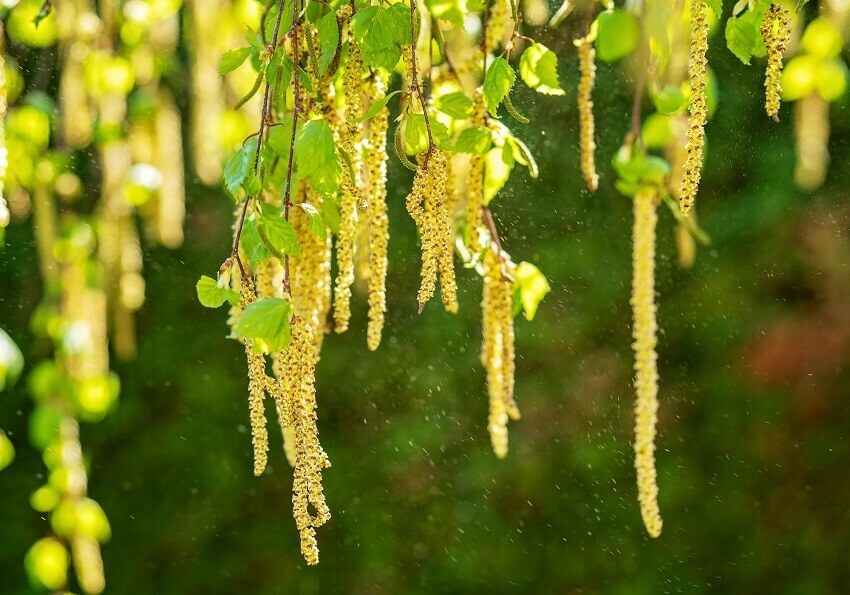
x,y
497,348
776,32
644,333
295,368
587,142
697,109
294,392
427,204
475,180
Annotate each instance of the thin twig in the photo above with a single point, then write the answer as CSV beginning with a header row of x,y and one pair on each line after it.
x,y
264,121
414,82
296,108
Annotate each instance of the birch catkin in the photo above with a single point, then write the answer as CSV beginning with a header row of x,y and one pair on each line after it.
x,y
497,350
697,110
379,234
349,136
776,32
644,329
587,68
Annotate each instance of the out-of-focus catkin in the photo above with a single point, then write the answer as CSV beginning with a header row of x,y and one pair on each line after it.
x,y
587,68
497,25
349,135
697,109
811,135
776,32
644,330
4,153
497,350
475,180
375,159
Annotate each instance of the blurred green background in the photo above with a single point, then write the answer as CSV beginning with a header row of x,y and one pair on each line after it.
x,y
754,426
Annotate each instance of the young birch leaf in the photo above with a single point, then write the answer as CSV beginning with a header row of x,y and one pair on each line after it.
x,y
212,296
538,68
317,224
316,157
237,167
252,245
378,105
267,320
457,105
233,59
474,139
532,287
498,81
617,34
498,163
277,230
328,29
741,38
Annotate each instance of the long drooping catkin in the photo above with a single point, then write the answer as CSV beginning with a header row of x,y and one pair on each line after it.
x,y
298,374
776,32
587,142
697,110
644,329
475,180
427,205
379,224
310,271
349,194
256,391
497,350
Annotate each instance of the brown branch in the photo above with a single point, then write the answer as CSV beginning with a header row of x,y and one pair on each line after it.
x,y
265,119
296,108
414,80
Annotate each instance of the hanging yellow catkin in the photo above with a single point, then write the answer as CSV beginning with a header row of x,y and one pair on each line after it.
x,y
497,25
811,135
445,222
4,153
497,350
644,329
697,110
587,142
379,223
349,135
475,180
311,269
426,204
256,391
298,370
776,32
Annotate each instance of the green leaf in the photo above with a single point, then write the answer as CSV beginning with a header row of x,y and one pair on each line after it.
x,y
316,157
716,7
498,163
522,154
538,68
378,105
380,32
617,34
330,214
237,167
277,230
317,224
7,451
669,100
267,320
457,105
498,81
328,30
415,134
743,36
233,59
11,360
211,295
278,140
251,243
452,11
474,139
532,287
